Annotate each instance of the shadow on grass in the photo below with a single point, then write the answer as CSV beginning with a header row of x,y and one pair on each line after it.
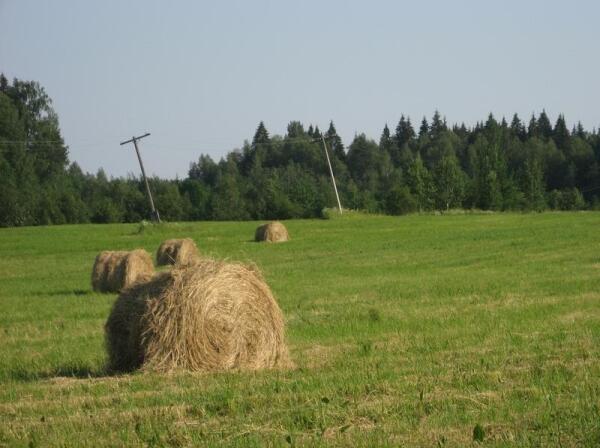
x,y
66,292
25,375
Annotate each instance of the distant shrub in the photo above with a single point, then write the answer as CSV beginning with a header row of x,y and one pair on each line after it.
x,y
400,201
568,199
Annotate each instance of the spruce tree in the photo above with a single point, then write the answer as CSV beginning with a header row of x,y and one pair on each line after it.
x,y
543,126
424,129
491,124
518,128
404,132
388,146
3,83
261,136
408,131
561,135
579,131
335,142
316,133
295,130
437,125
385,141
532,128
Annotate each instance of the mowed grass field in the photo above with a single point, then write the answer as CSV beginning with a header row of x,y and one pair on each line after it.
x,y
451,330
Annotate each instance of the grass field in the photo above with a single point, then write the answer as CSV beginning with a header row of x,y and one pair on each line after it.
x,y
422,330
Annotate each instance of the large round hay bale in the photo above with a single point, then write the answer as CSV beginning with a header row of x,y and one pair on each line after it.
x,y
115,270
206,316
177,251
272,232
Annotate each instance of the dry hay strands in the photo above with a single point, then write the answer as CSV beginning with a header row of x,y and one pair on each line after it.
x,y
115,270
207,316
177,251
272,232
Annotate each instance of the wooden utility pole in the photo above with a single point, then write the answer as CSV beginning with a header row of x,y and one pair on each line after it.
x,y
155,215
331,172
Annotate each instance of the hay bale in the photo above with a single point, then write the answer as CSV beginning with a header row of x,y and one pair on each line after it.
x,y
181,251
115,270
272,232
207,316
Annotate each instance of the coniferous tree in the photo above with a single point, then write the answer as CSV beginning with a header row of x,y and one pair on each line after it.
x,y
579,131
438,126
424,129
561,135
544,127
316,133
335,143
461,131
518,128
532,128
404,132
386,144
491,166
261,136
3,83
295,130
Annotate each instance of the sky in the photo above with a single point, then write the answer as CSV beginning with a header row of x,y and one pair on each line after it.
x,y
200,76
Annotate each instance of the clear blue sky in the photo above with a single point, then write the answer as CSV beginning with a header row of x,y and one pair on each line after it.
x,y
200,75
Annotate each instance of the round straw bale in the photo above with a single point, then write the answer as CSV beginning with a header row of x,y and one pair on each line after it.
x,y
206,316
115,270
272,232
181,251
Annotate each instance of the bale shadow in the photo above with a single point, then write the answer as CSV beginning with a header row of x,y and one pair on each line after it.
x,y
67,371
66,292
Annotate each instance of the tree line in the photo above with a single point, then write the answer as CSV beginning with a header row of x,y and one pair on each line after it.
x,y
495,165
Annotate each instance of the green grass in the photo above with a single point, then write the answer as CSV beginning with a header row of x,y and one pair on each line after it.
x,y
450,330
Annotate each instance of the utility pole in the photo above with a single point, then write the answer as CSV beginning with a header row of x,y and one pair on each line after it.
x,y
331,172
134,140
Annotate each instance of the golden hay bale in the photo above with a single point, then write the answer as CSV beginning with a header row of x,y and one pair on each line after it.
x,y
115,270
206,316
272,232
182,251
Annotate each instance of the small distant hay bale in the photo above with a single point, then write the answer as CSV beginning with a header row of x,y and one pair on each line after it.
x,y
272,232
115,270
207,316
177,251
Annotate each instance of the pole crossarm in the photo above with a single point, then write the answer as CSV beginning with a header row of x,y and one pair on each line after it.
x,y
133,139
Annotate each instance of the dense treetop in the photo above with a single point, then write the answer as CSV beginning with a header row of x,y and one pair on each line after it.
x,y
495,165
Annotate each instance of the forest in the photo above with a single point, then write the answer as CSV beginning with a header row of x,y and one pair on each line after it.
x,y
499,165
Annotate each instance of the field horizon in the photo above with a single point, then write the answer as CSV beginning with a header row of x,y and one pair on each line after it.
x,y
419,330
